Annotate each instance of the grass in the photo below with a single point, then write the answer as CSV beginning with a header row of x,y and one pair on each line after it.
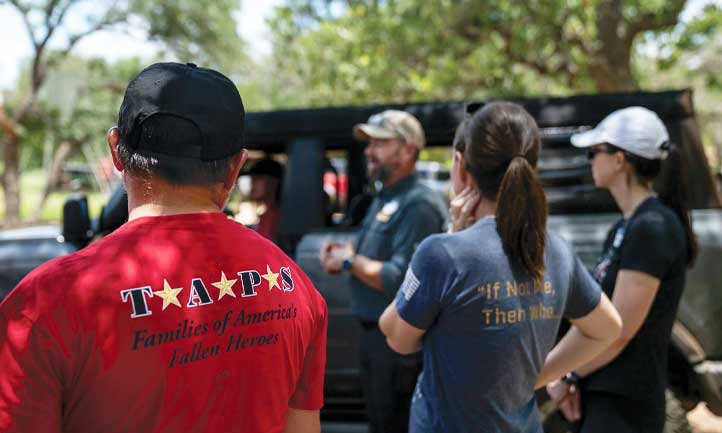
x,y
32,183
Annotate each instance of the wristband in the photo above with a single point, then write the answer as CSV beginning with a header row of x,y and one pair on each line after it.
x,y
571,378
347,263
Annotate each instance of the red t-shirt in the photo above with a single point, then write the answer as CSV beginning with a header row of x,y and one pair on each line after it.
x,y
184,323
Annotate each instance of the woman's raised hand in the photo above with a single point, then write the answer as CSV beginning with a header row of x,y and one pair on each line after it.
x,y
463,207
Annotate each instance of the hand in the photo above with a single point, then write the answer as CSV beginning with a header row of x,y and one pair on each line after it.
x,y
326,257
567,398
463,207
571,407
332,255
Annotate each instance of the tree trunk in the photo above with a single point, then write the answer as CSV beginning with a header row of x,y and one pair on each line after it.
x,y
55,173
609,79
10,177
11,182
611,65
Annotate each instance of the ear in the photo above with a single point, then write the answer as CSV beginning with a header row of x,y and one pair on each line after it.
x,y
113,140
411,152
237,162
464,175
619,160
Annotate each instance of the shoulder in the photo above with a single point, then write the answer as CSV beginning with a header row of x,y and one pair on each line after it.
x,y
422,193
559,248
421,197
45,287
435,250
655,220
557,243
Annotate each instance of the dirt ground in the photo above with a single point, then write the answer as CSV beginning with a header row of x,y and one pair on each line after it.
x,y
703,421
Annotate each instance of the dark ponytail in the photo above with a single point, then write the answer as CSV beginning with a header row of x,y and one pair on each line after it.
x,y
673,192
674,195
501,144
521,216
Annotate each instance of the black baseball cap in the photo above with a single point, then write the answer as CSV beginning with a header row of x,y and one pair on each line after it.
x,y
184,111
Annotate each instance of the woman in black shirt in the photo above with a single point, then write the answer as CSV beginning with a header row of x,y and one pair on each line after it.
x,y
642,269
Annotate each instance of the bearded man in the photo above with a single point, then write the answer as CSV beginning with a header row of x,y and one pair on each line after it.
x,y
402,214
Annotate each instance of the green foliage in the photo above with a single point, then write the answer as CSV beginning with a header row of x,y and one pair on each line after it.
x,y
202,32
677,65
65,99
338,52
32,183
78,103
406,51
335,52
694,36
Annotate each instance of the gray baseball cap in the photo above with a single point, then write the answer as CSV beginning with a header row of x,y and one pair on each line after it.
x,y
392,124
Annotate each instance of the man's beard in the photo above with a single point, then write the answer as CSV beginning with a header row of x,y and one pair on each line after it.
x,y
380,174
385,170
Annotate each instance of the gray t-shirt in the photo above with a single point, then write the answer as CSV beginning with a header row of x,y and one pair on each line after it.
x,y
488,329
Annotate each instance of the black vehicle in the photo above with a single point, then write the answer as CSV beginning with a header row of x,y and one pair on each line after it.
x,y
579,212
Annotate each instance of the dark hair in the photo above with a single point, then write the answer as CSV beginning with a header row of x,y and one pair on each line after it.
x,y
500,144
673,190
173,169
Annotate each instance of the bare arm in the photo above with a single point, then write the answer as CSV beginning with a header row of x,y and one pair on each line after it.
x,y
634,293
302,421
588,337
400,336
365,269
368,271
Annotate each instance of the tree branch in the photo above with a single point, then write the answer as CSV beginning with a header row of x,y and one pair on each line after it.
x,y
528,61
651,21
579,43
111,17
24,10
40,47
49,9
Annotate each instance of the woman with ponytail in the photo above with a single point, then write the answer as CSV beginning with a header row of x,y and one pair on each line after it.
x,y
642,269
484,302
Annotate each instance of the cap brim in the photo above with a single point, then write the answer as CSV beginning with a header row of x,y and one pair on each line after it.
x,y
587,138
364,131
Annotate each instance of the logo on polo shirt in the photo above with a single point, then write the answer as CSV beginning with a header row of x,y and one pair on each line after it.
x,y
384,215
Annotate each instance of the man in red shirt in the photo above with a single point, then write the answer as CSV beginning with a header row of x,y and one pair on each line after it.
x,y
182,320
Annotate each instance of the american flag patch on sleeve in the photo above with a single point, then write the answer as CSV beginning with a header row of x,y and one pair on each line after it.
x,y
410,284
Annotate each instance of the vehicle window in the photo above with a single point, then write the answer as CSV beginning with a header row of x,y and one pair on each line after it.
x,y
335,185
434,167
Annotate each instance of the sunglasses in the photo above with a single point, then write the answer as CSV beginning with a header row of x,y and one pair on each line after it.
x,y
591,153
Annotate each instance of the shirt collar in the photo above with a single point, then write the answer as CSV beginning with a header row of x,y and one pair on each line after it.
x,y
400,186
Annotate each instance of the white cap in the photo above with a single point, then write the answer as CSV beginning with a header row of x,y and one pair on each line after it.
x,y
637,130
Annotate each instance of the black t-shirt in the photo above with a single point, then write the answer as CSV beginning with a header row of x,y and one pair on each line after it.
x,y
651,241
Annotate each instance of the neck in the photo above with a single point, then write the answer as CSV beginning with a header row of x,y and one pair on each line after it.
x,y
158,198
485,209
629,195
